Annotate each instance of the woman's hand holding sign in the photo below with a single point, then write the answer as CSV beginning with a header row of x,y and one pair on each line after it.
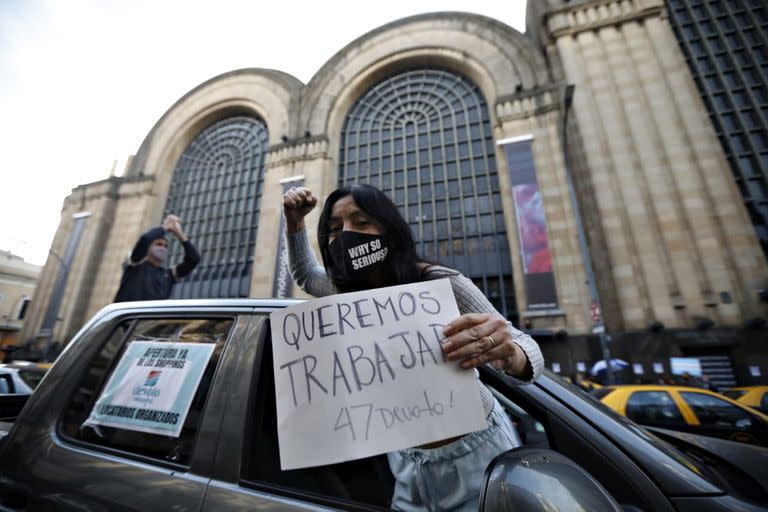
x,y
479,338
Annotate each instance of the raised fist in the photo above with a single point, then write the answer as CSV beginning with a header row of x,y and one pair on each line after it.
x,y
297,203
172,223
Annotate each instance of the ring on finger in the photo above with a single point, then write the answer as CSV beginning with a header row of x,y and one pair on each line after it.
x,y
493,342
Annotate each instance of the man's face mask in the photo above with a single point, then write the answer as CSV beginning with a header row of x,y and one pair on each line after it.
x,y
159,252
356,256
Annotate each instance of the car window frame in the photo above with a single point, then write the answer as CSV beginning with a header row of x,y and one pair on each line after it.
x,y
262,357
133,319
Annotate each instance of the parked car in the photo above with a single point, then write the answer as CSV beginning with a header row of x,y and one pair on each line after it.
x,y
17,381
688,409
226,458
751,396
20,378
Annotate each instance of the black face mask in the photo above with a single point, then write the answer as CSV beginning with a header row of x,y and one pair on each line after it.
x,y
356,257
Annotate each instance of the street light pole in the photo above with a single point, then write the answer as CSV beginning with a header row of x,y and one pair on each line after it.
x,y
598,326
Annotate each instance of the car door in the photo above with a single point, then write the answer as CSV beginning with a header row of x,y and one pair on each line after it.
x,y
720,418
247,473
65,463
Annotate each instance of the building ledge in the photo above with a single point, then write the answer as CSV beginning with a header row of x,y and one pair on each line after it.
x,y
536,313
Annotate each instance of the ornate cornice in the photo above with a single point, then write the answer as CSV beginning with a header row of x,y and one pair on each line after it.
x,y
596,14
307,148
528,103
113,187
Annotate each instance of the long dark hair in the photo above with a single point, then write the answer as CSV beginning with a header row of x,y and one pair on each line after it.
x,y
403,261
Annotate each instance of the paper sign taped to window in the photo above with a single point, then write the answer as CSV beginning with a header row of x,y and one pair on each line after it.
x,y
363,373
152,387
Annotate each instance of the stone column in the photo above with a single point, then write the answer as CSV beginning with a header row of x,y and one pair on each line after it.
x,y
308,158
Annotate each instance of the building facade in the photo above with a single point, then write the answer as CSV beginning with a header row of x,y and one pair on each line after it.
x,y
18,279
726,47
572,172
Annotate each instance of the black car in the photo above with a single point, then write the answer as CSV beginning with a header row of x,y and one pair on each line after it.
x,y
227,459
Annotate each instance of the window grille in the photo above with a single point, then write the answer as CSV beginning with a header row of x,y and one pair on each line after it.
x,y
424,137
216,190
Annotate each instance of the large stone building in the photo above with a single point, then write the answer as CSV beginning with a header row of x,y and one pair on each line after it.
x,y
18,279
501,149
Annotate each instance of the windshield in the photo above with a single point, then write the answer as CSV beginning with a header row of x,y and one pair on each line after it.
x,y
630,425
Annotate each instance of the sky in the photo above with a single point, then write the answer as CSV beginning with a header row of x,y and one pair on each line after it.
x,y
82,82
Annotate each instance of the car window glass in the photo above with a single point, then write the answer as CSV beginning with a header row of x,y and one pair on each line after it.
x,y
362,484
601,393
163,447
713,411
530,431
764,402
5,384
653,408
31,377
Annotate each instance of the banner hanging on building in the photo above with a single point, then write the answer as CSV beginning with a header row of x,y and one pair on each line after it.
x,y
282,287
532,234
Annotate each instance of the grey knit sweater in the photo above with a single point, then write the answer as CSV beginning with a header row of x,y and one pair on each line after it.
x,y
311,277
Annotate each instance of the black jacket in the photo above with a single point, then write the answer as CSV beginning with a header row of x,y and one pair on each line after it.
x,y
144,281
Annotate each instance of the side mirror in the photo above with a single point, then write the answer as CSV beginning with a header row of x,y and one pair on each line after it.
x,y
536,479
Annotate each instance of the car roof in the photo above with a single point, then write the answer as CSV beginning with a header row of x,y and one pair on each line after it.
x,y
685,389
22,366
659,387
198,303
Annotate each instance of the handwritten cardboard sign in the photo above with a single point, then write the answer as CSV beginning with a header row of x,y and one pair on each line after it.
x,y
152,387
359,374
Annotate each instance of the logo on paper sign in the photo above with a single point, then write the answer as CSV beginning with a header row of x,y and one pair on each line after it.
x,y
152,377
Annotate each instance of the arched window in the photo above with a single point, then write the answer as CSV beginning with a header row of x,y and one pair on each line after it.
x,y
216,190
424,137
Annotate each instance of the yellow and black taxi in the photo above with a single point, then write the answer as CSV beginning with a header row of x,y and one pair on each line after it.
x,y
687,409
751,396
